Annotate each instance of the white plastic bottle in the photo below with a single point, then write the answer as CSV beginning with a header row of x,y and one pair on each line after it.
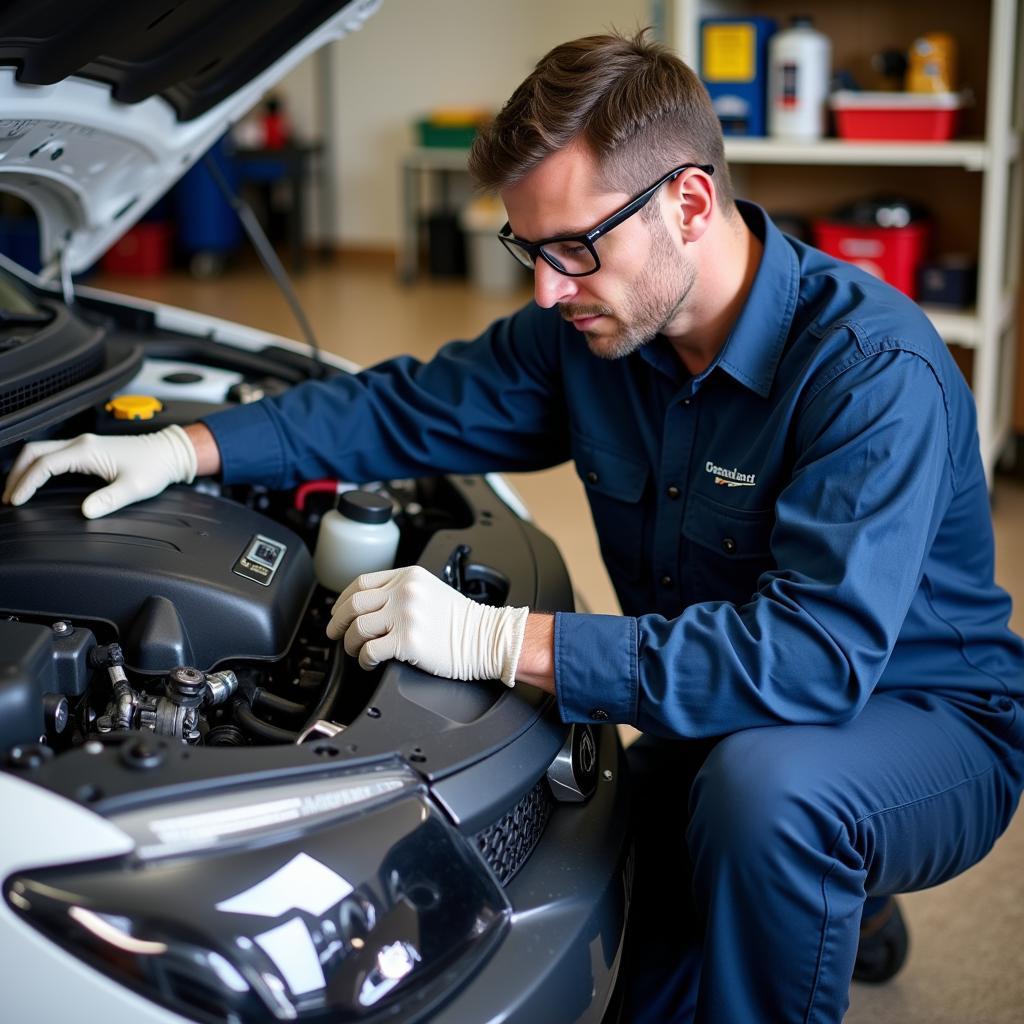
x,y
360,536
799,72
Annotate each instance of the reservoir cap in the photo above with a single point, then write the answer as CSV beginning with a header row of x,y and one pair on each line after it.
x,y
365,507
134,407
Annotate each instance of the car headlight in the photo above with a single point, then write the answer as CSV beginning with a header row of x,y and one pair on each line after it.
x,y
346,898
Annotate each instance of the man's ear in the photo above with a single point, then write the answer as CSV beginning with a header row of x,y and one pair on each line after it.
x,y
692,202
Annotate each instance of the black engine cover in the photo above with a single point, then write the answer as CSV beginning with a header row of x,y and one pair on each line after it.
x,y
185,578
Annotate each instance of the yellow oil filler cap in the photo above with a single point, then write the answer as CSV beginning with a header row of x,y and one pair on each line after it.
x,y
134,407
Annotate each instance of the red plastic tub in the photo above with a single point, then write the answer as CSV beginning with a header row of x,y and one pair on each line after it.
x,y
143,251
897,116
893,254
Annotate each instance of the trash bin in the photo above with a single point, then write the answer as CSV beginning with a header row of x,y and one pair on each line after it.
x,y
446,247
491,268
208,228
19,239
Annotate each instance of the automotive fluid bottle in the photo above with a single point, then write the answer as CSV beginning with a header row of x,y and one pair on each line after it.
x,y
359,536
799,70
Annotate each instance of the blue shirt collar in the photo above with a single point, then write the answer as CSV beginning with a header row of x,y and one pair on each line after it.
x,y
754,346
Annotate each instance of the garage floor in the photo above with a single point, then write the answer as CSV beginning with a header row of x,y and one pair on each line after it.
x,y
967,959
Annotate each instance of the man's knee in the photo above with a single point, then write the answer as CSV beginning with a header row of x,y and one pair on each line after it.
x,y
756,798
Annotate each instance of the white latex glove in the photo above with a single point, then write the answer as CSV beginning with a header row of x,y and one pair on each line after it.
x,y
135,467
411,615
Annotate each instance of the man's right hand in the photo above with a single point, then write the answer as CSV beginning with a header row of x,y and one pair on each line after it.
x,y
135,467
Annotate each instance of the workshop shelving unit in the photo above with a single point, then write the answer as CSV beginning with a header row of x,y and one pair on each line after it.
x,y
973,185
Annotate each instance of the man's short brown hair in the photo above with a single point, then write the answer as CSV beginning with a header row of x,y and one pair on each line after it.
x,y
638,108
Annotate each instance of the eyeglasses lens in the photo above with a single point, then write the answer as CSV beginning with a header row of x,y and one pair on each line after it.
x,y
570,257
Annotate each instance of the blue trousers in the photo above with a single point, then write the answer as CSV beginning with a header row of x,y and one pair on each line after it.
x,y
755,853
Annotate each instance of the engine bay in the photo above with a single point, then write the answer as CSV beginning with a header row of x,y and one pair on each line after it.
x,y
194,620
159,606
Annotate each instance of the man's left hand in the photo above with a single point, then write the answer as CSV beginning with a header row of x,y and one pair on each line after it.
x,y
411,615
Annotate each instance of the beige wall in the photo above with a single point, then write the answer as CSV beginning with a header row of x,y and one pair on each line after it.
x,y
414,55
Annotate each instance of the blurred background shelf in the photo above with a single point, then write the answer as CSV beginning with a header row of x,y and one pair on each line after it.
x,y
972,185
971,155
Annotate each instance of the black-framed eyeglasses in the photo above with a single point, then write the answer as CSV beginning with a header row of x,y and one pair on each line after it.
x,y
575,255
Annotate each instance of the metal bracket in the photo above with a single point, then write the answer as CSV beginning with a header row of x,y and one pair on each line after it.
x,y
573,773
321,727
67,286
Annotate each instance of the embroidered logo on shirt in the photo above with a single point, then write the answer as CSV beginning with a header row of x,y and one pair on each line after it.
x,y
730,477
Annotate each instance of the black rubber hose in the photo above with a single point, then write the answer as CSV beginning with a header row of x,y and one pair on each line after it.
x,y
281,705
251,724
331,690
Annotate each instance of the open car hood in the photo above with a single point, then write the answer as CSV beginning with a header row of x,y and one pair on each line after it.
x,y
106,103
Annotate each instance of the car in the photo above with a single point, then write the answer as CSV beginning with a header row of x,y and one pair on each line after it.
x,y
211,812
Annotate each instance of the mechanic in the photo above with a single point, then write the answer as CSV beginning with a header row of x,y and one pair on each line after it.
x,y
783,468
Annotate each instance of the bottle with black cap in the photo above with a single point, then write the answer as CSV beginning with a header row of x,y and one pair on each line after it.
x,y
799,73
359,536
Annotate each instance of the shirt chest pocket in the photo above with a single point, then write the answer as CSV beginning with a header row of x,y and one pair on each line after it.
x,y
727,550
615,486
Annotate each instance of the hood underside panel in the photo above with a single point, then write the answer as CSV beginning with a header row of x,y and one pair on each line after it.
x,y
193,53
104,104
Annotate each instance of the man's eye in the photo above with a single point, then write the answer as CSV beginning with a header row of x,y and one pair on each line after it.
x,y
570,249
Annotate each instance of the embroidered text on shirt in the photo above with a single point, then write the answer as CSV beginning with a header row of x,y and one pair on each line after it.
x,y
730,477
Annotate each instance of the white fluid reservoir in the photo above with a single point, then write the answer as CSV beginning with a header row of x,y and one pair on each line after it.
x,y
799,72
359,536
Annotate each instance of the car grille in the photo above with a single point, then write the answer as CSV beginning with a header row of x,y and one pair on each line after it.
x,y
43,387
508,842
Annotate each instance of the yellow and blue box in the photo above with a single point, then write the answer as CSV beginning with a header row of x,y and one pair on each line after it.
x,y
734,69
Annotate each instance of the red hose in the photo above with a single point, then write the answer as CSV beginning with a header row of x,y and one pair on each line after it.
x,y
314,487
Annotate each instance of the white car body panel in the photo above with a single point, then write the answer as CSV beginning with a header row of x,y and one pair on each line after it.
x,y
91,166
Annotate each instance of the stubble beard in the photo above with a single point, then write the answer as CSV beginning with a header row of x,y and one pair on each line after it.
x,y
656,296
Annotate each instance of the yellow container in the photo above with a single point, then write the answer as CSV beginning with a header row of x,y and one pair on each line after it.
x,y
931,64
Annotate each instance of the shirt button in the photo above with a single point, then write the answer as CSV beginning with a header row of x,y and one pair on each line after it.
x,y
687,401
672,491
592,477
666,581
599,714
729,545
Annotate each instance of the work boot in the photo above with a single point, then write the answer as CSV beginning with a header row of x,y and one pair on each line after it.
x,y
884,941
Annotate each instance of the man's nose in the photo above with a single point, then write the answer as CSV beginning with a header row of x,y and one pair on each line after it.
x,y
550,287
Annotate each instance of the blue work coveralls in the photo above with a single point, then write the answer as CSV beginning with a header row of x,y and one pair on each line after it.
x,y
811,637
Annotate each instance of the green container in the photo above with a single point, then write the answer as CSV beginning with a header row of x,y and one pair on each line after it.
x,y
445,136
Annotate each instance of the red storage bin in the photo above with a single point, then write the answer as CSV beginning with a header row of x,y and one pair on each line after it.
x,y
897,116
893,254
143,251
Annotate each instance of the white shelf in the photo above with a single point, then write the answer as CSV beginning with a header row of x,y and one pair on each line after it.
x,y
972,155
1007,312
964,327
955,327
